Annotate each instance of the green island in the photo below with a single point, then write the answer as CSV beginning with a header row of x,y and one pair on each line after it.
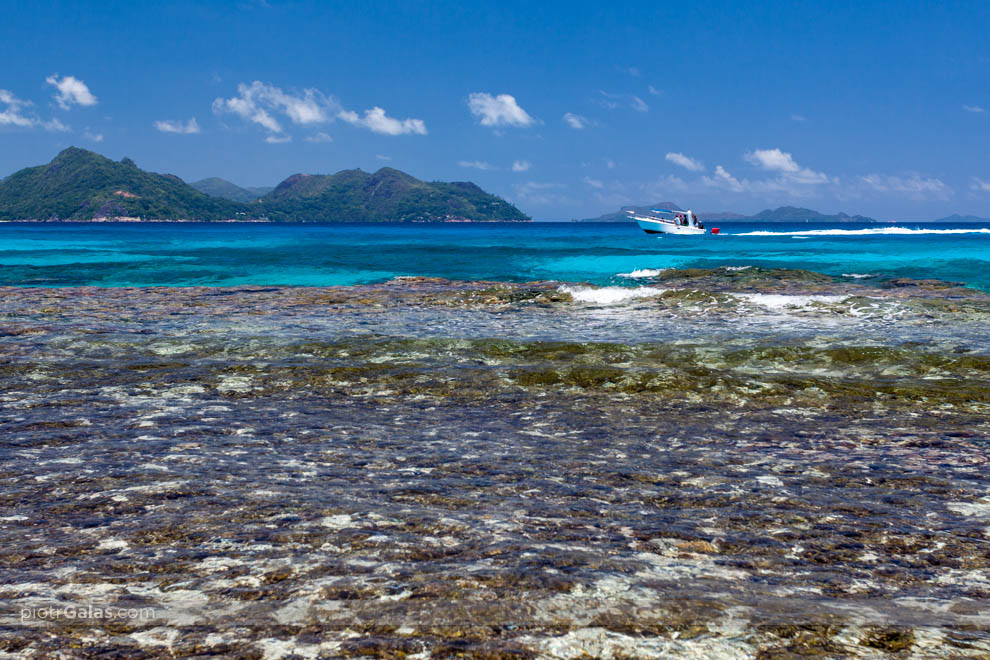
x,y
80,185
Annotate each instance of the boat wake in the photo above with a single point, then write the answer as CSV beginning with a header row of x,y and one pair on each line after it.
x,y
877,231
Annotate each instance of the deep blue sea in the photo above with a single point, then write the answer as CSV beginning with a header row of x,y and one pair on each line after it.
x,y
171,254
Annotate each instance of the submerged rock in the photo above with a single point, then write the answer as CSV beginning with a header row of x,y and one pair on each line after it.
x,y
494,470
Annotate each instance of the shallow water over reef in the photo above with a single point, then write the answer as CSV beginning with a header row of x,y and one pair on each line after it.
x,y
730,463
314,254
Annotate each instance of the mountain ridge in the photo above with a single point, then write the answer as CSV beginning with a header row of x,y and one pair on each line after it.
x,y
955,217
217,187
385,195
81,185
779,214
622,215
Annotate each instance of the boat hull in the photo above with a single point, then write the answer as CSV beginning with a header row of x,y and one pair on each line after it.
x,y
651,226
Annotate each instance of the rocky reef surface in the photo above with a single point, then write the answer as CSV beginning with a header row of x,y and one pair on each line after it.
x,y
720,463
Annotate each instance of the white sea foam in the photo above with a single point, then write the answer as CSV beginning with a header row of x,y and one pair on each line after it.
x,y
738,267
609,295
856,276
781,302
613,295
643,272
874,231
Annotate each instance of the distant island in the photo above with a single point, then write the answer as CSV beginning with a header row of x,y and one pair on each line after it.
x,y
781,214
955,217
80,185
622,215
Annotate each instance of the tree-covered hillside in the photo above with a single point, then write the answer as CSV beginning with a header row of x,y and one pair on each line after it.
x,y
82,185
388,195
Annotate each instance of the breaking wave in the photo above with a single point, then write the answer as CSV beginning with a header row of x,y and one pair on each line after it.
x,y
782,302
609,295
614,295
643,272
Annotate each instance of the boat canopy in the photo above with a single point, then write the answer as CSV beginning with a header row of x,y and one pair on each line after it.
x,y
688,213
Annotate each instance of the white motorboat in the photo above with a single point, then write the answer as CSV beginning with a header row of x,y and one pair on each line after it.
x,y
664,221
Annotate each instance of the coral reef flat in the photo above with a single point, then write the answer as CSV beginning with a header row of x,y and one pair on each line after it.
x,y
720,463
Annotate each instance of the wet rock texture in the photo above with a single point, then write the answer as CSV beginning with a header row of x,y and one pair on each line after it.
x,y
440,469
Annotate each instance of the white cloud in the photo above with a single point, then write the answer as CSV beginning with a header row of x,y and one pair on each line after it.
x,y
377,121
171,126
776,160
654,91
772,159
791,179
319,138
54,125
11,114
310,108
533,192
9,98
913,186
614,101
685,161
95,137
609,163
724,180
521,165
258,102
594,183
972,108
278,139
787,179
381,157
476,164
261,104
663,186
633,71
501,110
798,118
980,185
577,122
71,91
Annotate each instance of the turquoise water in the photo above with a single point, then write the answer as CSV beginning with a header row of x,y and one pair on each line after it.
x,y
335,254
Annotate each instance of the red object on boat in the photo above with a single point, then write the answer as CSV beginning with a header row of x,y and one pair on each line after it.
x,y
714,230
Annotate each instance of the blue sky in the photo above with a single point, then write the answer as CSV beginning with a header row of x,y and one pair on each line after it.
x,y
567,109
